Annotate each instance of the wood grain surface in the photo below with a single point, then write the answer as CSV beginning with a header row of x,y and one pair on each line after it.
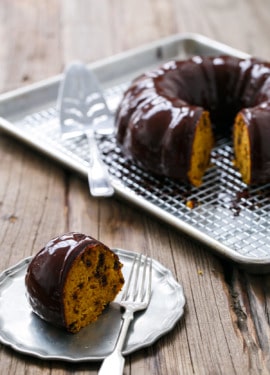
x,y
225,327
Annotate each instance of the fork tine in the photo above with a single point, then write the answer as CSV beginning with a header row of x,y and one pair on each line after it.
x,y
127,287
136,289
149,289
146,284
142,286
138,286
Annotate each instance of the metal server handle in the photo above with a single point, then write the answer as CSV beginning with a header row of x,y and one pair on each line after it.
x,y
98,176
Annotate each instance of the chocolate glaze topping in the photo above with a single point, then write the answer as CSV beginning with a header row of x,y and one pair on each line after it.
x,y
258,119
160,110
47,271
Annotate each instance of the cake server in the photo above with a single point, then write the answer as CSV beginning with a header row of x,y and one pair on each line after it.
x,y
84,111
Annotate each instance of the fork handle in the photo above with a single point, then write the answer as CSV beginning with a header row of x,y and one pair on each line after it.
x,y
114,363
98,178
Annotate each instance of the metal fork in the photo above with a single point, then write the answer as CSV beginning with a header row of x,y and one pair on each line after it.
x,y
135,297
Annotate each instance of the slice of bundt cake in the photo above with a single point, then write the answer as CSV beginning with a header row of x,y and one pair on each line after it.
x,y
72,279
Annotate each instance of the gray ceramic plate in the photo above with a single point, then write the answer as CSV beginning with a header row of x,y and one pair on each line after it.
x,y
25,332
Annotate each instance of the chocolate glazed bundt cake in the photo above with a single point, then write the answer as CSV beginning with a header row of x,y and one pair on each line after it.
x,y
72,279
170,117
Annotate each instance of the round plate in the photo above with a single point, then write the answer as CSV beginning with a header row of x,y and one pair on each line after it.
x,y
21,329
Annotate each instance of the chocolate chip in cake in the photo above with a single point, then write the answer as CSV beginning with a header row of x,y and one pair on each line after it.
x,y
104,280
88,263
101,260
72,326
116,265
75,296
97,273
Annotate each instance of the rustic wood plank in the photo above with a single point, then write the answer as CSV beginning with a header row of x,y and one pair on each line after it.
x,y
121,25
83,210
255,304
202,276
241,24
32,197
30,43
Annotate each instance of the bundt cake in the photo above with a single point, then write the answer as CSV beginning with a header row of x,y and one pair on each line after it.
x,y
169,118
72,279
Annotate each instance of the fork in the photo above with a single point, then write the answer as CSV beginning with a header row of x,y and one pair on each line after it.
x,y
135,297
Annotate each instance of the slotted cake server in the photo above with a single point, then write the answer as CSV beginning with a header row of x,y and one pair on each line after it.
x,y
84,111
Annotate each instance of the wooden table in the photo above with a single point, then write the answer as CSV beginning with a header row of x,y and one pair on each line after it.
x,y
225,328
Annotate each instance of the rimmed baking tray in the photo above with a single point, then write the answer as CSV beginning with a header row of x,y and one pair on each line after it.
x,y
223,213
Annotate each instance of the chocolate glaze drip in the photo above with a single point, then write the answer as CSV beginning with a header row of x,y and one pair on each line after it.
x,y
157,117
47,272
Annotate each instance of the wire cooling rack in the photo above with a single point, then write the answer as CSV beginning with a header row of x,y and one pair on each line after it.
x,y
223,208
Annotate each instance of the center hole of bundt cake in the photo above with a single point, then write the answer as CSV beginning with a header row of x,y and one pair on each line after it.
x,y
214,93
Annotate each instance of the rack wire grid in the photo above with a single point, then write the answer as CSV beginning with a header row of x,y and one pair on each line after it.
x,y
223,208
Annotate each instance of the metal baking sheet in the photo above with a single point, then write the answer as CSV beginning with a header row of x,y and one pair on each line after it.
x,y
223,213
